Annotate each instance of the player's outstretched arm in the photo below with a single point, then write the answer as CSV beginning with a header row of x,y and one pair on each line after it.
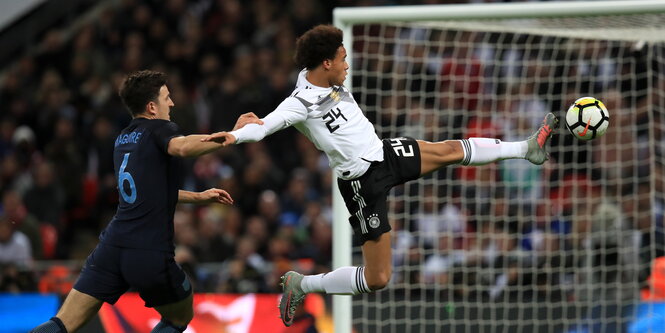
x,y
222,138
191,146
247,118
213,195
249,128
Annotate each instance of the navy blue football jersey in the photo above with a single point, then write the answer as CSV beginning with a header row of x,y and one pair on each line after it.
x,y
148,183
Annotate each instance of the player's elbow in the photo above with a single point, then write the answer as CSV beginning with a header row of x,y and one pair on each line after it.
x,y
179,147
181,152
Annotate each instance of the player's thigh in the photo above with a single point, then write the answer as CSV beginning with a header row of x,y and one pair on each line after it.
x,y
156,276
377,255
101,276
77,309
434,155
179,313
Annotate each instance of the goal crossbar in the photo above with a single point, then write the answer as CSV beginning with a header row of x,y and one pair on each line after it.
x,y
350,15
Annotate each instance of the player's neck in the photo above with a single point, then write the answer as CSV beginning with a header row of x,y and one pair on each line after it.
x,y
145,116
318,78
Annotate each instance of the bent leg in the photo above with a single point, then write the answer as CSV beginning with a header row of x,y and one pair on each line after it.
x,y
77,309
342,281
350,280
176,315
377,255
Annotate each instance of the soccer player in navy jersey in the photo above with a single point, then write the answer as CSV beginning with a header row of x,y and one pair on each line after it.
x,y
323,110
136,249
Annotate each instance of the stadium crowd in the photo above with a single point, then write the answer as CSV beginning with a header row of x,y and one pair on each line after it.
x,y
60,113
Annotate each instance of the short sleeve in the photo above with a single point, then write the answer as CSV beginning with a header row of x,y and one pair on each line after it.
x,y
164,132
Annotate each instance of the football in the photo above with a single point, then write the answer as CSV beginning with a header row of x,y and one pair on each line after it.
x,y
587,118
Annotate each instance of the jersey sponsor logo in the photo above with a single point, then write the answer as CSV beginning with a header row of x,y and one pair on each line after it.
x,y
400,149
374,221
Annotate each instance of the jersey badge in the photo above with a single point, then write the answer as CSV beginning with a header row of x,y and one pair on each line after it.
x,y
374,221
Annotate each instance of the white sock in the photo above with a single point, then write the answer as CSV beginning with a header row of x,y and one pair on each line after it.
x,y
479,151
342,281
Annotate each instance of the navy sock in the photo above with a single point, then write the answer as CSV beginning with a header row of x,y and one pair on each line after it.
x,y
166,326
54,325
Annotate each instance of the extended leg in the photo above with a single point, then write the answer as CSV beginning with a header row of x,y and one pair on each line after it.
x,y
479,151
77,309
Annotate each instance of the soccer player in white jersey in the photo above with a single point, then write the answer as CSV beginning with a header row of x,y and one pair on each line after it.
x,y
367,167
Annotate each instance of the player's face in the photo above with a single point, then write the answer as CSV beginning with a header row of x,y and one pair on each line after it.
x,y
338,68
164,104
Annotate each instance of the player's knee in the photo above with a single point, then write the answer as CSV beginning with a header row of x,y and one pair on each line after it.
x,y
186,317
453,148
379,280
183,318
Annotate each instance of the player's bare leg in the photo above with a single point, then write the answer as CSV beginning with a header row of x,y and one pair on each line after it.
x,y
77,310
377,255
434,155
479,151
342,281
175,316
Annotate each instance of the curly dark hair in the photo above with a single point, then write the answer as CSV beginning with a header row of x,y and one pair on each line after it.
x,y
140,88
316,45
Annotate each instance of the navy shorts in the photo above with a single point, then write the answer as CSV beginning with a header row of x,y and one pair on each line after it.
x,y
366,196
110,271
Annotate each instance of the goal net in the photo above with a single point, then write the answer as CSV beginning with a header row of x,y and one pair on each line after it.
x,y
513,247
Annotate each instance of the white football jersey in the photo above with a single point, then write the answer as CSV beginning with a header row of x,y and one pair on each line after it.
x,y
331,119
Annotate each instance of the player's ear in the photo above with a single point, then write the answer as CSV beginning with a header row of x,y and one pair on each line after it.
x,y
327,63
151,108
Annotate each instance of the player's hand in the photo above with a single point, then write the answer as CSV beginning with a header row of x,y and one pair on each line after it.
x,y
223,138
247,118
215,195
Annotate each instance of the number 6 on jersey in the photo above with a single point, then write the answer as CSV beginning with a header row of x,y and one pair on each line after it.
x,y
126,176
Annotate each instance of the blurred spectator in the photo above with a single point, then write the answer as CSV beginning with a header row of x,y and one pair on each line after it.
x,y
66,154
245,270
294,199
14,245
14,279
503,262
214,244
438,268
432,219
45,199
23,221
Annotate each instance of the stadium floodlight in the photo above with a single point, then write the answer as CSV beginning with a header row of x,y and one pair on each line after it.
x,y
512,247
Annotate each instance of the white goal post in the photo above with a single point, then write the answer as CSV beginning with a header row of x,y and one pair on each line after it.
x,y
562,23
